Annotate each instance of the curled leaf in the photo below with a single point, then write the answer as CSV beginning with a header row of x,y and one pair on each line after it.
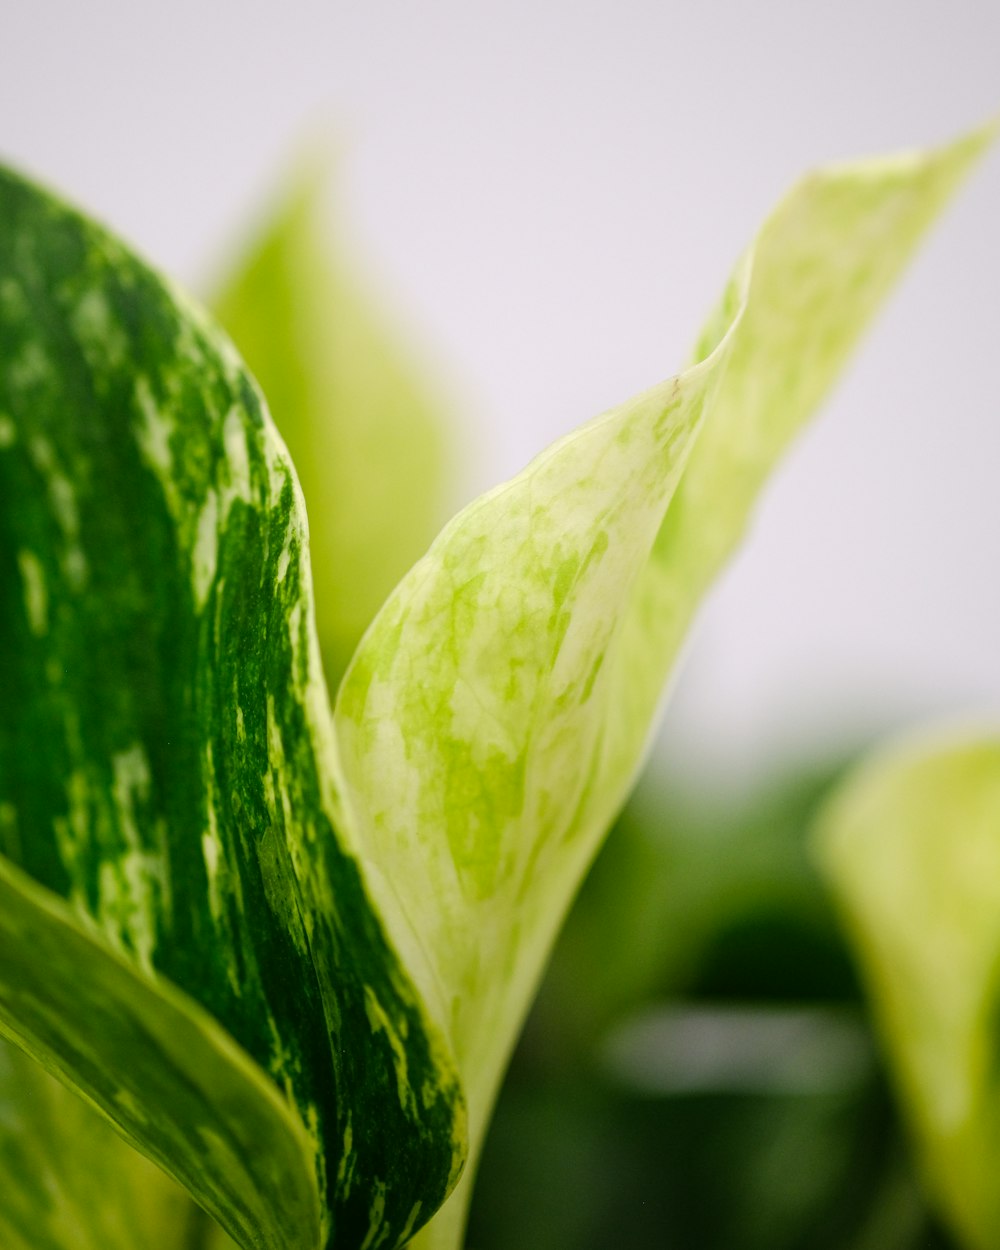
x,y
495,715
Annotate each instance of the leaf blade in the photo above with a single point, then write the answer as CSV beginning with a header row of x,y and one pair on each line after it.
x,y
115,1036
158,640
519,665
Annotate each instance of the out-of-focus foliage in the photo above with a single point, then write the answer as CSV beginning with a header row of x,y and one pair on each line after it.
x,y
699,1069
364,427
912,848
56,1152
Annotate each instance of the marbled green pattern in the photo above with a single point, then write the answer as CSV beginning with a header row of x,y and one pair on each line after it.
x,y
911,846
495,715
167,770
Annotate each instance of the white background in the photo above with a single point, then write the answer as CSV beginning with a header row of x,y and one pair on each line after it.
x,y
552,194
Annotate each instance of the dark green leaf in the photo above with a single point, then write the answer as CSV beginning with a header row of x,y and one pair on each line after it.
x,y
167,771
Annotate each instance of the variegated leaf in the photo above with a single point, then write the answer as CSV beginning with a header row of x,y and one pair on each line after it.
x,y
167,772
496,713
160,1069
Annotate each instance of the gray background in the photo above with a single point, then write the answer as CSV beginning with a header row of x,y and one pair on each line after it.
x,y
551,194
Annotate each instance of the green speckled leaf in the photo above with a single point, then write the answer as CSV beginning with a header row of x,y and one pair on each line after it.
x,y
167,772
360,424
495,715
911,845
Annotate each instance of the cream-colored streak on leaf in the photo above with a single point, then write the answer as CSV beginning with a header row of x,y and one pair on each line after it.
x,y
494,717
911,845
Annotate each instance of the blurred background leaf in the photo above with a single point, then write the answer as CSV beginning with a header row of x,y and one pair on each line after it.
x,y
69,1182
699,1069
361,420
911,846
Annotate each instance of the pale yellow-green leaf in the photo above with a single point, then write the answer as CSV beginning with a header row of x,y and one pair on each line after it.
x,y
911,845
363,426
494,717
69,1182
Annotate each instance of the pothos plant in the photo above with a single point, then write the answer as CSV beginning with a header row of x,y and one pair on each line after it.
x,y
282,944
